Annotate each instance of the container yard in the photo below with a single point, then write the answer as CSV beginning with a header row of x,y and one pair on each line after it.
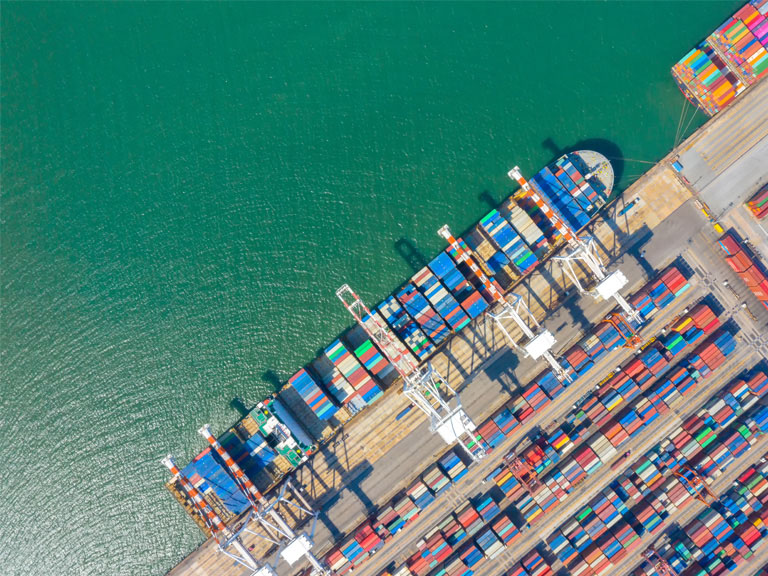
x,y
638,447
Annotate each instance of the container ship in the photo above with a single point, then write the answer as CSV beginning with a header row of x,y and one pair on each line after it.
x,y
733,57
437,302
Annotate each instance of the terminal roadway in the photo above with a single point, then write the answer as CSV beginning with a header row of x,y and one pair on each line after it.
x,y
725,161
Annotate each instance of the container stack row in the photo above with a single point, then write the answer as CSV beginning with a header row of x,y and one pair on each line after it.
x,y
721,538
758,204
354,550
660,292
742,40
745,266
441,299
504,237
471,301
422,312
699,322
559,198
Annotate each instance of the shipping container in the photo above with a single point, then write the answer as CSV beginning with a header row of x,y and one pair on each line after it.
x,y
501,234
405,328
440,298
422,312
312,395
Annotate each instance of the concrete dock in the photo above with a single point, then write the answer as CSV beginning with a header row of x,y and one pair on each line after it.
x,y
371,459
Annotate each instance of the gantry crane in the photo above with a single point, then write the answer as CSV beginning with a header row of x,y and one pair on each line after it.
x,y
582,250
228,541
523,471
424,386
625,330
693,482
659,564
265,514
538,344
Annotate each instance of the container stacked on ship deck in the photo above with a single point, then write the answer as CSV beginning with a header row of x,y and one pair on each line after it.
x,y
337,385
706,80
471,301
526,227
440,298
734,56
501,234
420,310
570,205
405,328
310,392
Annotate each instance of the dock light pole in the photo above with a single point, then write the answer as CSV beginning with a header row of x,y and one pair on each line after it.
x,y
228,541
538,344
580,249
265,516
423,385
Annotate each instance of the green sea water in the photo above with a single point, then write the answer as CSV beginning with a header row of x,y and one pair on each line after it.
x,y
184,186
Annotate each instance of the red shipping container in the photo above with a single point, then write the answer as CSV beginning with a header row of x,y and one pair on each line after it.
x,y
740,262
753,276
729,244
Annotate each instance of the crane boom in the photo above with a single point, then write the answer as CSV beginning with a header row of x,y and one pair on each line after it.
x,y
583,250
244,483
378,331
424,386
300,544
211,519
216,525
538,344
